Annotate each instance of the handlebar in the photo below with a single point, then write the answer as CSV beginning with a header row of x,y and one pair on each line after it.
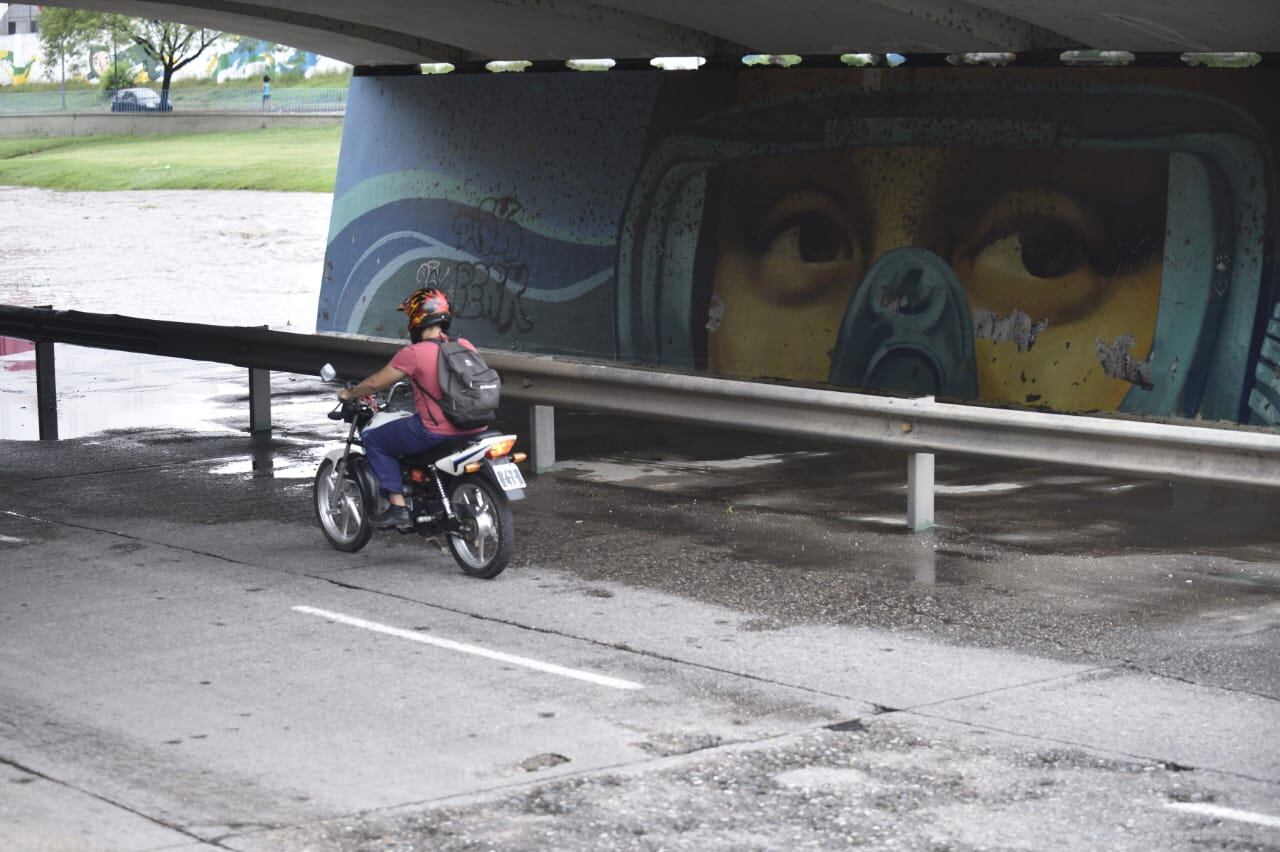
x,y
347,410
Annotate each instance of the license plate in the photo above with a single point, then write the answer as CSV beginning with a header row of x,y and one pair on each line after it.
x,y
509,476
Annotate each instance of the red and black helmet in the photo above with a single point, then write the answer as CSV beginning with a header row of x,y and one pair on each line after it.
x,y
424,308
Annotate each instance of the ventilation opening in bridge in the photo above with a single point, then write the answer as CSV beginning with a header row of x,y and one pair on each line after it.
x,y
1096,57
1222,60
994,60
774,60
506,66
678,63
590,64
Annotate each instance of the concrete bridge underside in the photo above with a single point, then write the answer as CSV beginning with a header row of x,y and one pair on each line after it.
x,y
394,32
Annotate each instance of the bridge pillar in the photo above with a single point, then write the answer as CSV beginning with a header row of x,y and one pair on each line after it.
x,y
542,426
259,400
919,491
46,391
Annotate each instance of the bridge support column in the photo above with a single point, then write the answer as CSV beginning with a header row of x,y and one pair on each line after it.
x,y
259,400
542,426
46,391
919,491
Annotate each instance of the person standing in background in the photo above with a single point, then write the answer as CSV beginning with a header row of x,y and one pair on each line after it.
x,y
266,92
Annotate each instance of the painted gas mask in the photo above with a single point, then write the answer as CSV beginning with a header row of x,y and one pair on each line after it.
x,y
908,329
909,326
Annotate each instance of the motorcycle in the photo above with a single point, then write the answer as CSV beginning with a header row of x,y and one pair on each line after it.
x,y
459,490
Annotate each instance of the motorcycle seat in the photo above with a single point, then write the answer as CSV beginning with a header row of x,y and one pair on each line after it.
x,y
444,448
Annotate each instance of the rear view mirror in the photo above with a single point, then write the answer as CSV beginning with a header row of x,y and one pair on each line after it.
x,y
328,373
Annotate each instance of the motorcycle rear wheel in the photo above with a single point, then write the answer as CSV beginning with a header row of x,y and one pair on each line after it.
x,y
488,537
341,509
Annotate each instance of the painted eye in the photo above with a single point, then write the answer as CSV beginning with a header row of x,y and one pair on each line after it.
x,y
801,245
1051,248
1039,249
1041,263
810,237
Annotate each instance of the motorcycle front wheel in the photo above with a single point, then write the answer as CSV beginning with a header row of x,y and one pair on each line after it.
x,y
487,539
341,509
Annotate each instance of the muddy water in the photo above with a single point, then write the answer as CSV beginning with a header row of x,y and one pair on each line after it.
x,y
228,258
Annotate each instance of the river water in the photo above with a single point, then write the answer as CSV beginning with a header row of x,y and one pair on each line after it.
x,y
219,257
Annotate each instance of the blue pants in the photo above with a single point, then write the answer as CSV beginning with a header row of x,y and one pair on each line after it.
x,y
384,445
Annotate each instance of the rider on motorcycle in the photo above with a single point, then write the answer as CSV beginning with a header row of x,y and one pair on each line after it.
x,y
429,317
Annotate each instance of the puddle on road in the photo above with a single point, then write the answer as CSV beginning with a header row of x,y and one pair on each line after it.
x,y
676,472
101,391
985,488
298,462
1249,582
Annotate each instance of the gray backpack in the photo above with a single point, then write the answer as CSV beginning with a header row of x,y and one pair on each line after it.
x,y
469,388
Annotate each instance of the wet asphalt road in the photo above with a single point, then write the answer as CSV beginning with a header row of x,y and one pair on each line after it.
x,y
1071,661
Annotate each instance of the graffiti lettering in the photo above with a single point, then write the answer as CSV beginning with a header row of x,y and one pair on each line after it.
x,y
432,276
492,287
492,292
480,290
488,231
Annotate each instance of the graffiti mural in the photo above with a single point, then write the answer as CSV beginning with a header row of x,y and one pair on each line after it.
x,y
13,73
1071,239
236,57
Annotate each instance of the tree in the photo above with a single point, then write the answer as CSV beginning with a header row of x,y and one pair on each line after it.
x,y
173,46
68,32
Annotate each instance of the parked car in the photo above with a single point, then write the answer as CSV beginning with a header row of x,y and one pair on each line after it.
x,y
138,99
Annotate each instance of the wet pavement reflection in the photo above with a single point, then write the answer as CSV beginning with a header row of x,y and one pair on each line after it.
x,y
101,391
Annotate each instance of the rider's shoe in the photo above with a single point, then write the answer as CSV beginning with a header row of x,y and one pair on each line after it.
x,y
394,517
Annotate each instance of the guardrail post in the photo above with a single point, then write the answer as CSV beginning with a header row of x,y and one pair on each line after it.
x,y
542,426
919,491
259,400
46,391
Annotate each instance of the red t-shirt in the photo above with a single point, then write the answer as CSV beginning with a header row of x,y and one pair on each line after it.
x,y
418,361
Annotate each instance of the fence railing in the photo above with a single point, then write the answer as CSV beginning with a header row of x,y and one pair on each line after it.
x,y
237,99
919,427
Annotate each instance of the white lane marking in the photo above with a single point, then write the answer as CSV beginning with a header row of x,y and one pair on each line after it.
x,y
1225,813
8,539
415,636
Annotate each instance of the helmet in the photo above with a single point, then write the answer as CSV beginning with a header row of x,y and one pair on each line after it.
x,y
426,308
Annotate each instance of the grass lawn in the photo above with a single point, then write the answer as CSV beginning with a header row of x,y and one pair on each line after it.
x,y
282,159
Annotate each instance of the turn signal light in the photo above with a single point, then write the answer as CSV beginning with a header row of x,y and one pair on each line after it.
x,y
518,457
501,448
474,467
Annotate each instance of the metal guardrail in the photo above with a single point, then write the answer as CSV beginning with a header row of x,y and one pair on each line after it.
x,y
303,101
920,425
917,426
255,347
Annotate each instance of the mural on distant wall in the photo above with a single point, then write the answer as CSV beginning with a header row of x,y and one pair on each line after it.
x,y
1082,240
248,57
230,58
11,72
133,61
